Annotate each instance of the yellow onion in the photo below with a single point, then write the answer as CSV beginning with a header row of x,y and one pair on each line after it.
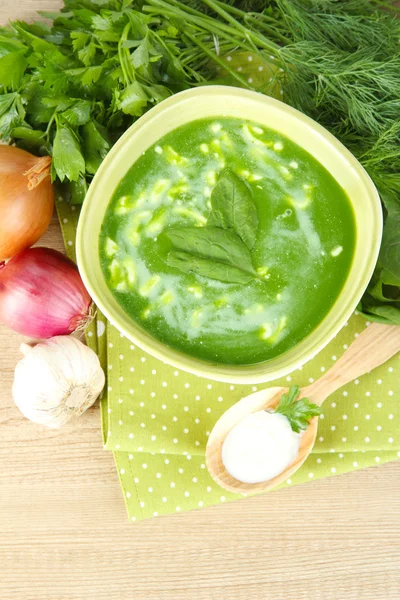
x,y
26,199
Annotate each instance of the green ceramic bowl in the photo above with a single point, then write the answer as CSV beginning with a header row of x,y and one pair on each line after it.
x,y
215,101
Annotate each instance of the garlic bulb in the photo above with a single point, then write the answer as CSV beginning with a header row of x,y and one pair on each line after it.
x,y
57,380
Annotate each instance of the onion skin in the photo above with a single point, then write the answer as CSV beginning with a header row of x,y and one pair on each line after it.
x,y
42,294
26,199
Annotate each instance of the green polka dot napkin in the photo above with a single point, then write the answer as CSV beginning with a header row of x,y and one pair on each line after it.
x,y
156,419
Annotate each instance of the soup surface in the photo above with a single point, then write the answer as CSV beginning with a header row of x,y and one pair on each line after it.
x,y
227,241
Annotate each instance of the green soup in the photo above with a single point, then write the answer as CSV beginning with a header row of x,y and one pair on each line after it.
x,y
301,253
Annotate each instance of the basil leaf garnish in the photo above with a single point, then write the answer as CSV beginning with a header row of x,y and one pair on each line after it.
x,y
207,267
222,249
210,251
233,207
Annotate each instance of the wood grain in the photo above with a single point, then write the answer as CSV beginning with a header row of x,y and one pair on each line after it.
x,y
64,533
374,346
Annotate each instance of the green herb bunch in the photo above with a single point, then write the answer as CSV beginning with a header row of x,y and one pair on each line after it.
x,y
72,87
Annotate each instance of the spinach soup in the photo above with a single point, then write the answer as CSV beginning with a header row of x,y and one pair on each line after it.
x,y
227,241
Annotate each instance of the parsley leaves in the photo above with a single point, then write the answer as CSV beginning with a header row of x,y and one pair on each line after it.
x,y
72,88
12,114
68,162
298,412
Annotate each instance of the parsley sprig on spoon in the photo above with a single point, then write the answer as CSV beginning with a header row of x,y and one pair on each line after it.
x,y
298,411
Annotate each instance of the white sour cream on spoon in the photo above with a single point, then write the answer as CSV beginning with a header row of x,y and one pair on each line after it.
x,y
260,447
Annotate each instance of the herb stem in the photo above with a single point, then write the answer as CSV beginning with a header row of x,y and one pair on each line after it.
x,y
267,28
219,61
202,27
50,123
249,35
123,54
231,8
182,13
386,5
213,26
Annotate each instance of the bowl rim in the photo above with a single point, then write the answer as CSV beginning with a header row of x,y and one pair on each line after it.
x,y
245,374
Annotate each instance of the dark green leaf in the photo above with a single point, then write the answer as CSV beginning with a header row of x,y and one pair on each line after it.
x,y
211,242
53,70
33,95
233,207
78,18
39,44
79,39
385,289
389,278
84,12
139,23
84,46
6,101
68,162
58,101
92,75
87,54
74,192
102,23
171,69
298,412
78,113
156,93
38,29
108,20
215,253
381,302
115,121
108,36
140,56
389,257
377,292
390,314
207,267
144,54
12,68
86,75
59,38
47,14
131,44
12,115
9,45
95,146
133,100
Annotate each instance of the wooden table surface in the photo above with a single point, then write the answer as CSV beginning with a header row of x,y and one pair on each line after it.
x,y
64,534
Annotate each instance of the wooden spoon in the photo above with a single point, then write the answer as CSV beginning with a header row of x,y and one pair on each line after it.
x,y
375,345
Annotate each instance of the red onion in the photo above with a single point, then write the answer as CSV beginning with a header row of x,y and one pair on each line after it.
x,y
42,294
